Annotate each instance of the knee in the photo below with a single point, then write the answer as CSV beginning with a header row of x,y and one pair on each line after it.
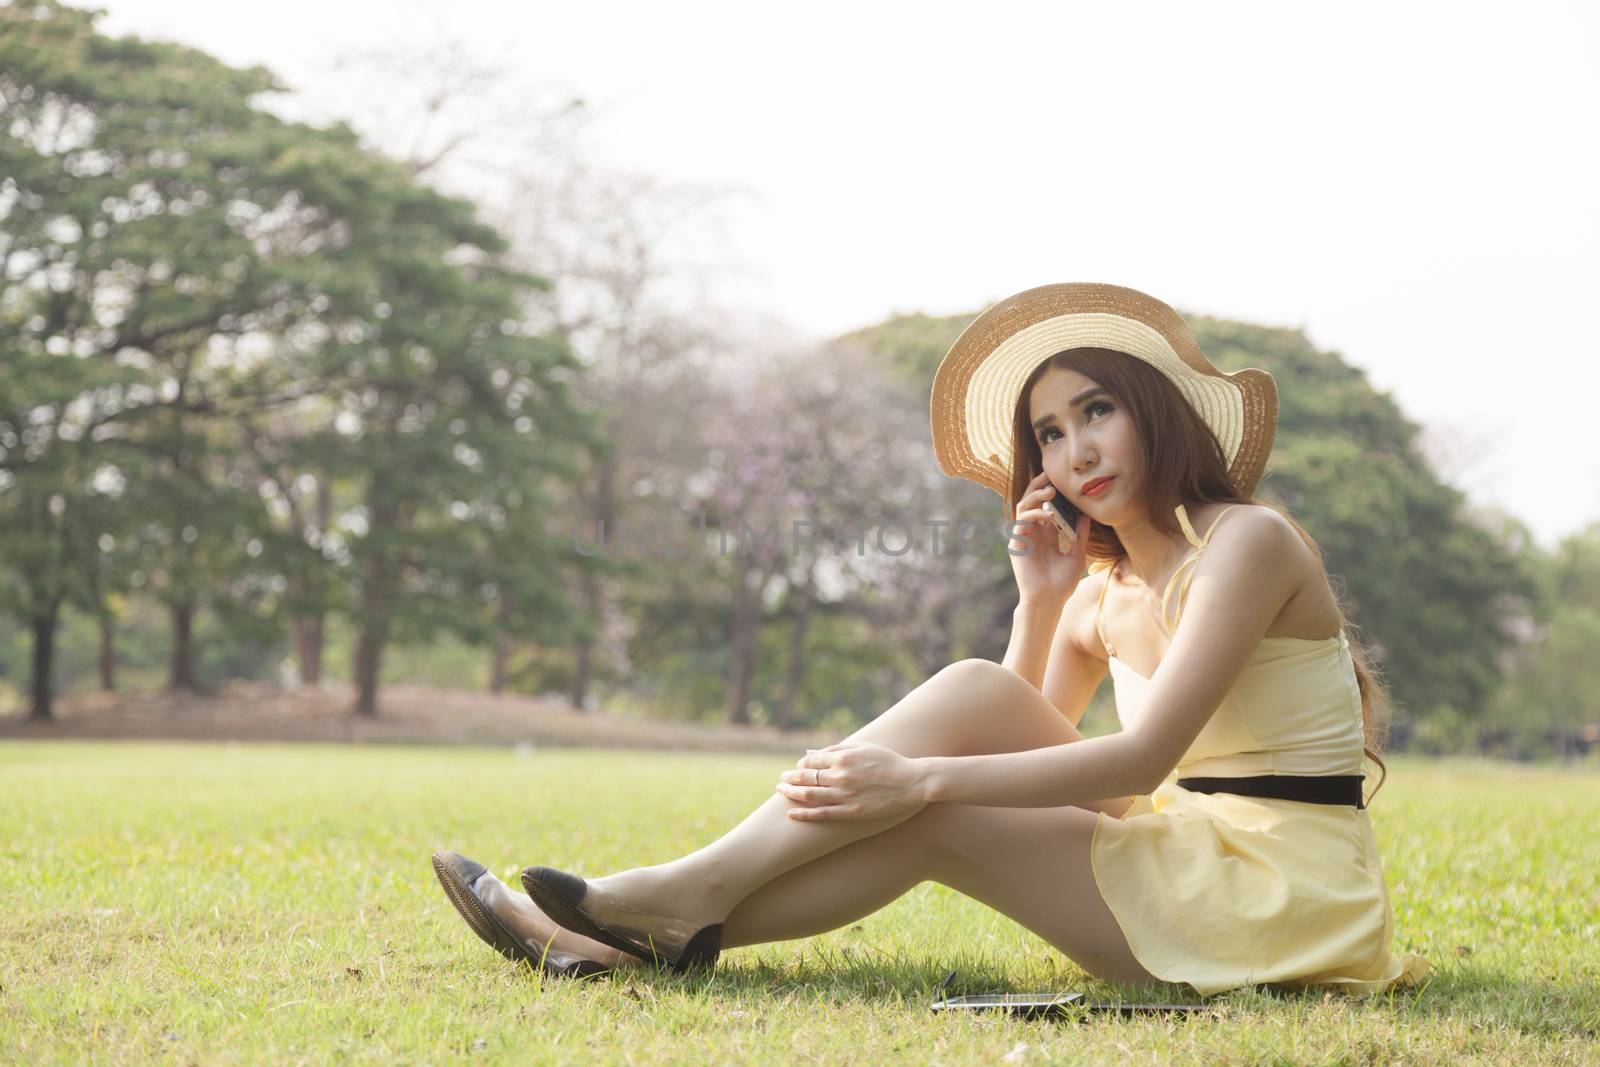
x,y
983,683
982,674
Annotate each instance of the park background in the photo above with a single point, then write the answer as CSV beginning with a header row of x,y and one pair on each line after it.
x,y
314,398
300,406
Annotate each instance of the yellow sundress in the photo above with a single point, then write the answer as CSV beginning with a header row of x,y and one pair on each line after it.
x,y
1222,891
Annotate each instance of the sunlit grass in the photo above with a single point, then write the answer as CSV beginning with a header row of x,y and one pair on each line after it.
x,y
227,903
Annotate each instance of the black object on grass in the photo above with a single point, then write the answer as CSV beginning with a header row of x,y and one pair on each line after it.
x,y
1060,1005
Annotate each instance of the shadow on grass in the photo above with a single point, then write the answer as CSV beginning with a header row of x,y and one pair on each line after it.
x,y
1554,1007
1481,999
1487,997
852,976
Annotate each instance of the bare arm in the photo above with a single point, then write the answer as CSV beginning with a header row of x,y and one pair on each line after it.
x,y
1073,672
1241,584
1047,652
1032,623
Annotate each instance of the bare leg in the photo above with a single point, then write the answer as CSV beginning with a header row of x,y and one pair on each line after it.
x,y
971,707
1031,864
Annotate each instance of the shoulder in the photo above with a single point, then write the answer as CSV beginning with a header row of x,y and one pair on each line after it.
x,y
1259,541
1256,524
1255,517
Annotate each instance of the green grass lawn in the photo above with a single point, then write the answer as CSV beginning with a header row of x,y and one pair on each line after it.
x,y
250,904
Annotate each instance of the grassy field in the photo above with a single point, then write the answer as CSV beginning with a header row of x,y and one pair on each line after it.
x,y
250,904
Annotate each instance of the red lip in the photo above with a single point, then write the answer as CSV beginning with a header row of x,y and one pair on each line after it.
x,y
1093,488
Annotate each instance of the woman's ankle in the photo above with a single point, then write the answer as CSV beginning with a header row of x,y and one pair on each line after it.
x,y
668,890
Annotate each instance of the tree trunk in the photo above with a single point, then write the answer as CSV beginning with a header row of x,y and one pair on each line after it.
x,y
181,674
748,584
369,658
306,630
785,717
44,646
591,589
108,658
316,633
502,649
374,636
306,633
583,652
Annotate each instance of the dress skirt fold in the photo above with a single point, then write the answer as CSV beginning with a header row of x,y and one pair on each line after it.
x,y
1222,891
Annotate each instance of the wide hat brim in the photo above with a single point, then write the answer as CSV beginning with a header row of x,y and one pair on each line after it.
x,y
978,383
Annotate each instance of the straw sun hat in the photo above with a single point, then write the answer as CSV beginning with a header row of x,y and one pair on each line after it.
x,y
979,381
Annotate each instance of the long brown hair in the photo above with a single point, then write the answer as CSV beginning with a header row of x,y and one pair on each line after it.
x,y
1183,461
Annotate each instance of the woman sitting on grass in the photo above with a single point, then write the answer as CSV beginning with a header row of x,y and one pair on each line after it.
x,y
1219,839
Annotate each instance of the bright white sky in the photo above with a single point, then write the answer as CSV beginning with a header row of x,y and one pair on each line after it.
x,y
1413,183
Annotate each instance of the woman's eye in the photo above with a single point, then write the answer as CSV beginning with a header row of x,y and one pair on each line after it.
x,y
1098,405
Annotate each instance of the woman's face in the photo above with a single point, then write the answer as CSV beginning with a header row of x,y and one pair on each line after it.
x,y
1084,435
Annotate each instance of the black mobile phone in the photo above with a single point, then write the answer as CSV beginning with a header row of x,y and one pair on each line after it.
x,y
1063,512
1027,1005
1034,1005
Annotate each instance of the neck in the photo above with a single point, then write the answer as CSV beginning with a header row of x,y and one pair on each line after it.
x,y
1151,552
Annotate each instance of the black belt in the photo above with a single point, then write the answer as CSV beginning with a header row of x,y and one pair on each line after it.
x,y
1325,789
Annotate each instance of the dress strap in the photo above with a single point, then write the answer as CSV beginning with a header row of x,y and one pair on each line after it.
x,y
1188,527
1187,566
1099,608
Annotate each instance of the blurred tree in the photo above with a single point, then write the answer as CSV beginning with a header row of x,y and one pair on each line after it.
x,y
608,238
145,209
447,403
469,128
1553,696
612,244
155,222
283,460
815,507
912,345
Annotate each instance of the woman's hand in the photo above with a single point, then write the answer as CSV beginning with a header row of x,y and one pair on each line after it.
x,y
853,780
1044,572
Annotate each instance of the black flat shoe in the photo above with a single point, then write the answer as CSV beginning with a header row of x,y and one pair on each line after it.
x,y
579,906
464,880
